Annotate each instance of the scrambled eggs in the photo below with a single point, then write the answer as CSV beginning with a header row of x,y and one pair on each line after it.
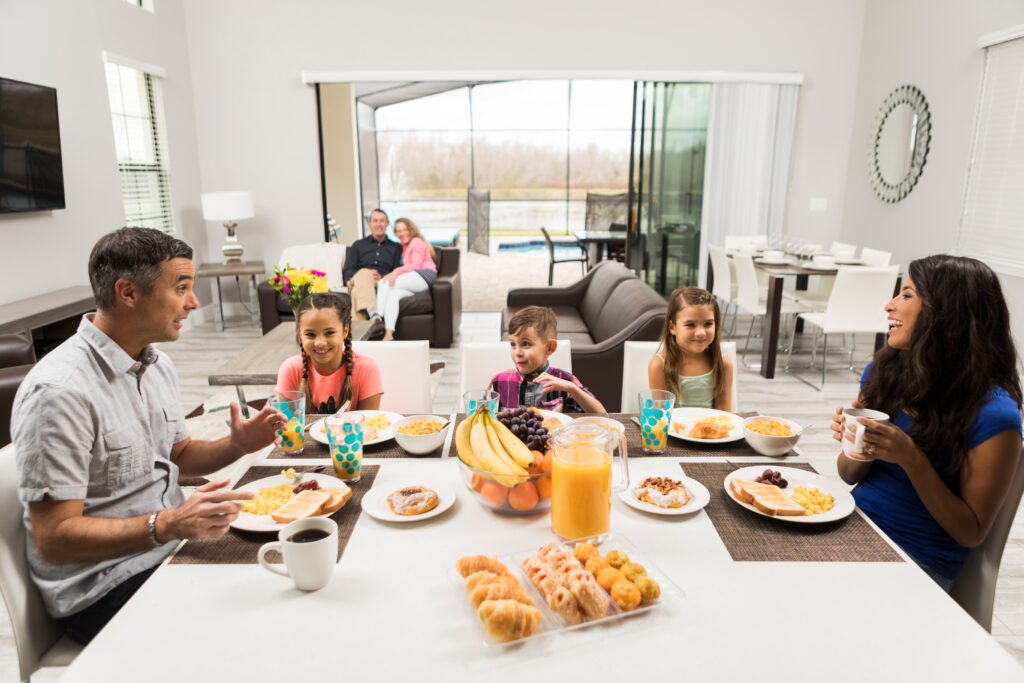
x,y
268,499
813,500
770,428
378,422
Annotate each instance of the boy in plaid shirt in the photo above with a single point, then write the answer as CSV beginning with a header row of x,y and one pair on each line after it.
x,y
533,382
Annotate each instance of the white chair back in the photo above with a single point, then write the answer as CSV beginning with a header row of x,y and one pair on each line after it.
x,y
734,242
975,588
483,360
875,257
722,286
34,631
843,250
858,298
748,292
636,356
405,372
327,257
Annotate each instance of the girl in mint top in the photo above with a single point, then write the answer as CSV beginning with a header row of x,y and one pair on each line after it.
x,y
935,477
689,362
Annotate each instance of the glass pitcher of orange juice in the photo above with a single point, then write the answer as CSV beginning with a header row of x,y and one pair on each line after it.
x,y
581,480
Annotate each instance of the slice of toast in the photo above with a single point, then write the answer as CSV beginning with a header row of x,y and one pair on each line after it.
x,y
772,501
739,489
339,496
305,504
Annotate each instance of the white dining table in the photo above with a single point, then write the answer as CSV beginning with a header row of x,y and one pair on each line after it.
x,y
393,612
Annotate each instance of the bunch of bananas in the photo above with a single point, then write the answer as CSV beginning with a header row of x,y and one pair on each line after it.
x,y
486,444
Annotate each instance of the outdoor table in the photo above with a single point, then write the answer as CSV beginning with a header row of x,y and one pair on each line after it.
x,y
393,610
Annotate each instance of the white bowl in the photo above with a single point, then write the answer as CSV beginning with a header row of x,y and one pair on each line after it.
x,y
772,445
420,444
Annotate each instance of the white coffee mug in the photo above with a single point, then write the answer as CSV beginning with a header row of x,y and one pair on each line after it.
x,y
854,449
310,549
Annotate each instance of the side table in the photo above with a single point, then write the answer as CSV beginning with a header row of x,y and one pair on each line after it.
x,y
253,269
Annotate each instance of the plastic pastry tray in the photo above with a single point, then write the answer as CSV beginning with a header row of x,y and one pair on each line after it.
x,y
550,622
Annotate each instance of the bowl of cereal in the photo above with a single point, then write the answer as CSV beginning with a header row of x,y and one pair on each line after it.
x,y
421,434
771,435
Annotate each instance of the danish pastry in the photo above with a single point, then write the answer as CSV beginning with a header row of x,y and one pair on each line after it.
x,y
413,500
663,492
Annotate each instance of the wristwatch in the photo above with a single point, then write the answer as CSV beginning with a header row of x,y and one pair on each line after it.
x,y
151,528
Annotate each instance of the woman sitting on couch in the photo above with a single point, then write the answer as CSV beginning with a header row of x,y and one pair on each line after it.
x,y
416,274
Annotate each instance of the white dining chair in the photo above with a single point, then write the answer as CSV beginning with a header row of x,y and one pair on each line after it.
x,y
856,305
38,639
405,373
753,298
738,242
636,356
975,588
483,360
724,285
843,250
875,257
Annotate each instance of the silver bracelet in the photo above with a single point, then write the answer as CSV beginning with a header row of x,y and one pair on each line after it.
x,y
151,529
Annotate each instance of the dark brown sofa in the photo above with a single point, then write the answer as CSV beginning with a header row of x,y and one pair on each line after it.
x,y
433,315
598,314
16,358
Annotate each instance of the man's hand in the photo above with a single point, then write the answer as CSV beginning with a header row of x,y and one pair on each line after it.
x,y
376,275
206,514
255,433
390,279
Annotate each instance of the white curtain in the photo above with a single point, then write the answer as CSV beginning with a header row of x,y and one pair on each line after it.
x,y
746,168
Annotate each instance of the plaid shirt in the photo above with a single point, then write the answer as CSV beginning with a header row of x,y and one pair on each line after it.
x,y
515,390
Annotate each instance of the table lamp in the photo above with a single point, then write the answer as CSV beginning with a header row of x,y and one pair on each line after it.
x,y
228,207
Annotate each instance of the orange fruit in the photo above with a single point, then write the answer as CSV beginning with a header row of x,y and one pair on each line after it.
x,y
494,493
523,496
545,465
535,466
477,482
543,485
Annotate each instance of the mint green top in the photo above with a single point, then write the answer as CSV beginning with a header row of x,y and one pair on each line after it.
x,y
698,391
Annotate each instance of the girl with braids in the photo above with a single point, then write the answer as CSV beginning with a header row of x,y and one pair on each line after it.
x,y
938,473
689,361
327,369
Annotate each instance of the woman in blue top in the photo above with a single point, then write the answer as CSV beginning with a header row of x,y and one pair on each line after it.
x,y
939,473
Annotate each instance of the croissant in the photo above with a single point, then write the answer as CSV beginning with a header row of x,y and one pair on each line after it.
x,y
507,619
505,590
708,430
474,563
483,578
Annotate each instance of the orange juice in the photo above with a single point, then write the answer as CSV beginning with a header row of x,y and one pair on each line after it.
x,y
581,491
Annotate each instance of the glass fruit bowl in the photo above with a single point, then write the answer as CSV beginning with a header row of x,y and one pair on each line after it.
x,y
531,493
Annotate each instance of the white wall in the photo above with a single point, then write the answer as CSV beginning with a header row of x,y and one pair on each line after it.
x,y
256,121
931,44
58,43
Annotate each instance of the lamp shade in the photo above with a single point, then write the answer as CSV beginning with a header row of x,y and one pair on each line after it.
x,y
227,206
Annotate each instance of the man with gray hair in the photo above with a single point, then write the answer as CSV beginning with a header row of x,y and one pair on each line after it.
x,y
100,439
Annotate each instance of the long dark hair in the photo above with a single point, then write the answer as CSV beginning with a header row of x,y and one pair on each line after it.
x,y
342,305
960,350
680,299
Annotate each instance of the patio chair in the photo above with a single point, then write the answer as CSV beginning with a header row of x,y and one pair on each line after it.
x,y
843,250
583,259
975,588
405,373
856,304
37,637
724,286
483,360
636,356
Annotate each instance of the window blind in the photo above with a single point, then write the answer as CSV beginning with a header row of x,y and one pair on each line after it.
x,y
992,223
137,115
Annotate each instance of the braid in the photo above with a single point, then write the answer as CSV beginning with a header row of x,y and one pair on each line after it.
x,y
346,359
304,387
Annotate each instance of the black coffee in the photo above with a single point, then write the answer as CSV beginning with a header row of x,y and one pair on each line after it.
x,y
308,536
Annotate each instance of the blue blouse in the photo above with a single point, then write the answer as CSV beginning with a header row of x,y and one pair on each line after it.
x,y
888,497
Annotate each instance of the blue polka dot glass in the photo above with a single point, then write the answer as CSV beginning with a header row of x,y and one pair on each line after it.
x,y
291,404
655,415
345,440
475,399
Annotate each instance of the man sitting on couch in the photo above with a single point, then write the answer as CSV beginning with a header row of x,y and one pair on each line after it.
x,y
366,261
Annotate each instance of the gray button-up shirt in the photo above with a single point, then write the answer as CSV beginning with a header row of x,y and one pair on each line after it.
x,y
91,423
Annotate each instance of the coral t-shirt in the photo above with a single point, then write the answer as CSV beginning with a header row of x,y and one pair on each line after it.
x,y
326,389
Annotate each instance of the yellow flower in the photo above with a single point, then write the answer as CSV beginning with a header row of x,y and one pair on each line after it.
x,y
319,285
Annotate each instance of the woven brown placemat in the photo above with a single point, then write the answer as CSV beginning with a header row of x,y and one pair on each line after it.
x,y
687,449
750,537
242,547
387,449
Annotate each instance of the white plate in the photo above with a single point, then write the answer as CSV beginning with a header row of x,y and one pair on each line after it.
x,y
772,262
249,522
849,262
319,432
820,266
561,417
375,503
688,416
699,497
844,504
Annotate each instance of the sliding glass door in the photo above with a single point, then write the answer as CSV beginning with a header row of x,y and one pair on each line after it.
x,y
666,184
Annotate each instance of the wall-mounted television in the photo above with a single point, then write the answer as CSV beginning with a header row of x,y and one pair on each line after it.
x,y
31,173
